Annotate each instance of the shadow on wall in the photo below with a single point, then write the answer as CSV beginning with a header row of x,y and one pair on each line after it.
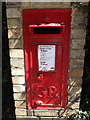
x,y
8,110
85,96
16,40
15,33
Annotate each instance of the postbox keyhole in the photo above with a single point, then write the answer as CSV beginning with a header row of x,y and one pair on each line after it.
x,y
40,77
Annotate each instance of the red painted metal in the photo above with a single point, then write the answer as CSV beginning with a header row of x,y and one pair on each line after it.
x,y
46,89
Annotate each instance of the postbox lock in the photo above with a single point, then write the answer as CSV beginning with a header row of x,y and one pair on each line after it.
x,y
40,77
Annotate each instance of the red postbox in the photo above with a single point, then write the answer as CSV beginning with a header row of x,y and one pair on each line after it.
x,y
46,48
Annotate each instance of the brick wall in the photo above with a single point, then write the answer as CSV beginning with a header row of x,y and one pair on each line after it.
x,y
77,53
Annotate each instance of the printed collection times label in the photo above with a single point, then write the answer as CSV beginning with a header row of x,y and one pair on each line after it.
x,y
46,56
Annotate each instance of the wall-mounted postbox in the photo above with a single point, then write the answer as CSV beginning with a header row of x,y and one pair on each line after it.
x,y
46,46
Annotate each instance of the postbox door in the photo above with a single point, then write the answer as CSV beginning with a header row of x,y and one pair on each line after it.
x,y
45,74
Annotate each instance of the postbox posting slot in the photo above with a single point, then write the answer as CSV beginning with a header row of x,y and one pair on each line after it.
x,y
51,28
46,30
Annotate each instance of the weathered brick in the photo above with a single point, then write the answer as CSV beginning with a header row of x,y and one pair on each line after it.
x,y
14,33
19,96
74,90
46,118
77,54
20,111
78,33
84,3
76,63
30,113
45,5
16,53
75,5
76,72
16,43
18,79
74,97
75,81
19,88
56,119
17,71
26,118
70,112
20,104
74,105
12,4
77,44
14,23
65,118
13,12
17,62
65,114
78,21
25,4
46,113
78,12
